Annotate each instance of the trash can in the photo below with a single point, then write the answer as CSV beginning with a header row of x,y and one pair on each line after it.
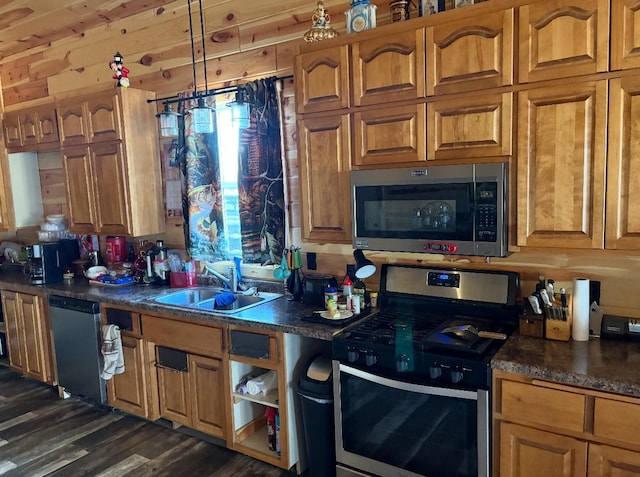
x,y
315,389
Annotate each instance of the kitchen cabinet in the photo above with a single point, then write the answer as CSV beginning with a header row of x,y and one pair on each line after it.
x,y
623,166
111,162
390,135
625,34
561,165
563,38
6,196
470,127
247,422
551,429
28,338
322,80
325,162
388,68
471,54
31,129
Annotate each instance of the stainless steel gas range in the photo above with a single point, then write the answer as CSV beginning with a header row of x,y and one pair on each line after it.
x,y
412,382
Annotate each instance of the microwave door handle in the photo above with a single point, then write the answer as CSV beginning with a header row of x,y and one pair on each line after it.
x,y
58,258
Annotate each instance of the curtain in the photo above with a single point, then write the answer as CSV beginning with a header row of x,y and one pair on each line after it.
x,y
260,203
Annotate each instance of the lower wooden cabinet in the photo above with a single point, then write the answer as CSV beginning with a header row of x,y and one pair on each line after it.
x,y
28,339
547,429
136,390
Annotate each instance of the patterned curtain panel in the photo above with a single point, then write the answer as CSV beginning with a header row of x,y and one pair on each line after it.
x,y
256,205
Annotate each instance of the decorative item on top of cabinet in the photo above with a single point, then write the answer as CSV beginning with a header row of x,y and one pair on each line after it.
x,y
31,129
625,34
623,165
471,54
325,162
563,38
390,135
388,68
470,127
561,166
322,79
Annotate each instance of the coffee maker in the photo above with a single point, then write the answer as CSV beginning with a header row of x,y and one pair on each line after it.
x,y
48,260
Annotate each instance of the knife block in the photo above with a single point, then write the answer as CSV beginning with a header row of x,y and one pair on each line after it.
x,y
558,329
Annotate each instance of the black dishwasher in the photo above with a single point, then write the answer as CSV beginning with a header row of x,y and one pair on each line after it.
x,y
76,339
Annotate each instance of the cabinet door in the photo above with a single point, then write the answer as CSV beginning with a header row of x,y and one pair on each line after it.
x,y
173,391
390,68
390,135
561,166
15,341
606,461
47,126
322,80
78,174
471,127
471,54
563,38
111,189
206,380
623,187
526,452
6,197
37,363
625,34
29,128
324,173
103,118
11,127
71,122
135,390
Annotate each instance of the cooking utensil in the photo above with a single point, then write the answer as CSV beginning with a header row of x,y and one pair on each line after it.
x,y
464,329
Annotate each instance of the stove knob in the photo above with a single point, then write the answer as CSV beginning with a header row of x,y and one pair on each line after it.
x,y
370,359
402,364
456,376
435,372
352,355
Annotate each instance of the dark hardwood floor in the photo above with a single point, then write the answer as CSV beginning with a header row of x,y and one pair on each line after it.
x,y
43,435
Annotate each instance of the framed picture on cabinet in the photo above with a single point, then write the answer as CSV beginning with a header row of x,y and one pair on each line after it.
x,y
429,7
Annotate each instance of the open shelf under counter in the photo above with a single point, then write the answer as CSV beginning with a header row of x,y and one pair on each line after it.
x,y
257,440
270,399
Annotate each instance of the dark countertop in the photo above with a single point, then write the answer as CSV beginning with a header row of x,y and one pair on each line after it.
x,y
604,365
277,315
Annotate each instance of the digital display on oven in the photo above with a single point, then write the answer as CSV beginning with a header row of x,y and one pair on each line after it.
x,y
439,279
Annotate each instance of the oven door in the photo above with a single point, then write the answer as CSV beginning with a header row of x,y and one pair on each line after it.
x,y
390,428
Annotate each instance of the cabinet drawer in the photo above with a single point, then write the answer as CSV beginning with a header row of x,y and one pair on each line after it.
x,y
551,407
617,420
204,340
255,347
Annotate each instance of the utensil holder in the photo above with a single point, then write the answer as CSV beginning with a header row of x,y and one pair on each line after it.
x,y
183,279
555,328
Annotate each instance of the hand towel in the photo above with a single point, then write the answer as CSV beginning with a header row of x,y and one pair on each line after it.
x,y
224,299
263,383
112,351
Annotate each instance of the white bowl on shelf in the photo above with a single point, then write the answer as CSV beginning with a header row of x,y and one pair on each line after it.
x,y
53,227
56,218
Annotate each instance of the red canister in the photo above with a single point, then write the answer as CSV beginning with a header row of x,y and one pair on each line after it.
x,y
116,249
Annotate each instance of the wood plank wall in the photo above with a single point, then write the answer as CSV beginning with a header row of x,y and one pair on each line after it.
x,y
246,40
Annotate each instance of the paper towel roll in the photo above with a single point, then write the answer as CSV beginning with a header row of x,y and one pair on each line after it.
x,y
580,325
268,381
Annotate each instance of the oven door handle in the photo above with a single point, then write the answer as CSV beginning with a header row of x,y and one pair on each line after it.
x,y
418,388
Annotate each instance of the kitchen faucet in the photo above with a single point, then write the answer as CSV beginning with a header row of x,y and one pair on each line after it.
x,y
231,281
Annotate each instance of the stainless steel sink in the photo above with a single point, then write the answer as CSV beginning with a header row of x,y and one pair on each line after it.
x,y
203,298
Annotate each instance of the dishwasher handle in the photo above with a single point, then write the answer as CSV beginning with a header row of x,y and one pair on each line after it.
x,y
75,304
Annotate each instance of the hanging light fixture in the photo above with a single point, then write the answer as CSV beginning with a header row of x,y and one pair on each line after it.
x,y
202,116
321,28
240,110
168,121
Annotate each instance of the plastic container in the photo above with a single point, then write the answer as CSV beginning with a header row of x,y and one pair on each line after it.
x,y
183,279
331,298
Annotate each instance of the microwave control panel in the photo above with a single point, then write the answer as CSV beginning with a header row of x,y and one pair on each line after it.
x,y
486,212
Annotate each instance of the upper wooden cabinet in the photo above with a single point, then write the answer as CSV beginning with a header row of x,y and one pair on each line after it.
x,y
90,119
325,162
561,166
31,129
623,165
471,54
322,79
388,68
625,34
563,38
111,161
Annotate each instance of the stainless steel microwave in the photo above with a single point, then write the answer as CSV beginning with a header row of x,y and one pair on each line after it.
x,y
451,209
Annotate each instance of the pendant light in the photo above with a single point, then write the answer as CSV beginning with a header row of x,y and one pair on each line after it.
x,y
240,111
202,116
168,121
